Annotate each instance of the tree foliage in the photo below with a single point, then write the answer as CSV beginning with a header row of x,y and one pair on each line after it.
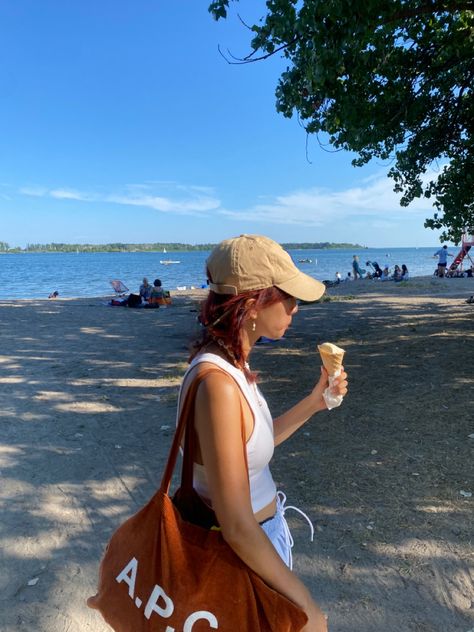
x,y
385,79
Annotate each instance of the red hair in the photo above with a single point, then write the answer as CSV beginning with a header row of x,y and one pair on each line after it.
x,y
223,317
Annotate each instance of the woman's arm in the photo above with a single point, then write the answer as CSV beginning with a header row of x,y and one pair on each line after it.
x,y
287,423
218,427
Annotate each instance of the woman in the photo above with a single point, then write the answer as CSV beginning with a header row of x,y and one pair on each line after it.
x,y
145,289
157,290
378,270
254,287
385,274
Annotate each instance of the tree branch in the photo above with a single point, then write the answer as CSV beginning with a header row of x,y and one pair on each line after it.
x,y
249,59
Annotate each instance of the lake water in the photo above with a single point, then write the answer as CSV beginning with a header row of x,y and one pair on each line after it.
x,y
35,275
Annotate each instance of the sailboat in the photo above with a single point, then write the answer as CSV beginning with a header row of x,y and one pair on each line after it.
x,y
167,262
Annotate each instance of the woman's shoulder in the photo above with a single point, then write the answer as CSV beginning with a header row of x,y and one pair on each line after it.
x,y
213,382
208,364
209,357
215,369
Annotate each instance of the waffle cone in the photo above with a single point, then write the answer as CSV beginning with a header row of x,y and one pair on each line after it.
x,y
331,356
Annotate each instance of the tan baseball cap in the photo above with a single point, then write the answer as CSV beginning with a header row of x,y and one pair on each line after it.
x,y
254,262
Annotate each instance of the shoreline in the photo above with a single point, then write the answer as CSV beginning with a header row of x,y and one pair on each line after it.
x,y
425,284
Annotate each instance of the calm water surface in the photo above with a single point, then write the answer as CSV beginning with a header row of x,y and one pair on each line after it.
x,y
35,275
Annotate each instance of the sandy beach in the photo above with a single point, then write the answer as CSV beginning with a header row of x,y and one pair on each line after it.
x,y
88,396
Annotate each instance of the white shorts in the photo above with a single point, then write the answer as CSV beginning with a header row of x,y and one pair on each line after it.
x,y
278,531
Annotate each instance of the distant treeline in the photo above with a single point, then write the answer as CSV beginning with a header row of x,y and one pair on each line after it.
x,y
116,247
321,245
156,247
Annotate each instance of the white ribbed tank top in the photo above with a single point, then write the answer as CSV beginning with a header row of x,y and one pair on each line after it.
x,y
260,445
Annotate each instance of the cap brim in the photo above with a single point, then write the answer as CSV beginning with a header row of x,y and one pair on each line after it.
x,y
303,287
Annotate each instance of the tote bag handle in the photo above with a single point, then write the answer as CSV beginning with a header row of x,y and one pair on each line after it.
x,y
187,415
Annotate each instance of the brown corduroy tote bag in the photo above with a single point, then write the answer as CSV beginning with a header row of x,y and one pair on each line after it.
x,y
161,573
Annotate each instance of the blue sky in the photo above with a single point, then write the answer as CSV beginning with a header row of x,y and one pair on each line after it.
x,y
120,121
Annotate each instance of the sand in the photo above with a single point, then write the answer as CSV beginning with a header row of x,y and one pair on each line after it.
x,y
88,396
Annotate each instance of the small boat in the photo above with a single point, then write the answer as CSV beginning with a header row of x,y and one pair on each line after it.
x,y
167,262
305,260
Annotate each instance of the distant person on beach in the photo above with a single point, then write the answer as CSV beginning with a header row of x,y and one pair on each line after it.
x,y
253,292
442,255
338,277
397,273
158,295
358,273
405,275
385,274
349,277
157,290
54,294
377,269
457,274
145,289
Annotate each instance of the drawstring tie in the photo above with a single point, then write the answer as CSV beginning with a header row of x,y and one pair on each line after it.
x,y
283,508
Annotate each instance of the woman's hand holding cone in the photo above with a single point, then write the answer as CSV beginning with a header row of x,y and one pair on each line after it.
x,y
336,381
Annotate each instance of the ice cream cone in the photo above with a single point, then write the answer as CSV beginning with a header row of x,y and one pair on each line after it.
x,y
332,356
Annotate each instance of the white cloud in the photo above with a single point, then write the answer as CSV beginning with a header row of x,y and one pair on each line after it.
x,y
64,194
370,202
181,199
59,194
317,207
190,205
34,191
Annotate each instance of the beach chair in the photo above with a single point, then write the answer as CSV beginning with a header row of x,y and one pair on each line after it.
x,y
119,288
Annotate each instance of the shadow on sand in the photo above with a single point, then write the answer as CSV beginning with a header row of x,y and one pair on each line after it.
x,y
88,397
